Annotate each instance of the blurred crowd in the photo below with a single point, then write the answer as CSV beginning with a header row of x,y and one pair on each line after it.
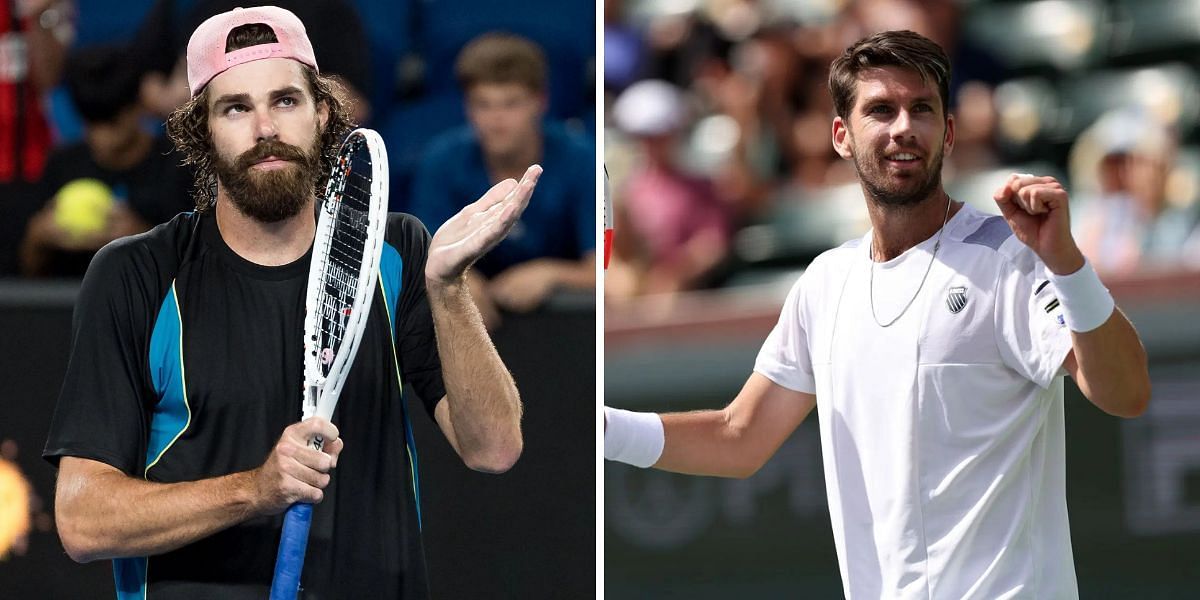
x,y
465,94
719,121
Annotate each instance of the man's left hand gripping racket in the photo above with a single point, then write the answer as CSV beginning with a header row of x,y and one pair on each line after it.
x,y
341,284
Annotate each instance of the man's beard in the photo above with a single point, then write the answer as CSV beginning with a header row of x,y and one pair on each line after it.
x,y
880,189
274,195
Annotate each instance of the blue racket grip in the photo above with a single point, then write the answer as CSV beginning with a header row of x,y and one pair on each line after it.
x,y
289,562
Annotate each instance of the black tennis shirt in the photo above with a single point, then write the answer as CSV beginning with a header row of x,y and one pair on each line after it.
x,y
186,363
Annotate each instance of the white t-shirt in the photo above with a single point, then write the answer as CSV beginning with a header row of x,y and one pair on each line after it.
x,y
942,435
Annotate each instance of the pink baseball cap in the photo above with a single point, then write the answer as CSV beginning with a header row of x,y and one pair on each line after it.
x,y
206,56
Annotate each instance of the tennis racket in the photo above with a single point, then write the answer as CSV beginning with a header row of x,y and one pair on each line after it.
x,y
608,220
341,284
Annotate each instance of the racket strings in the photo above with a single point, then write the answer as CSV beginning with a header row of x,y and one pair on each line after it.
x,y
349,195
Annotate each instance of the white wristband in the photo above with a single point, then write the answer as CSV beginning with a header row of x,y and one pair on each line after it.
x,y
633,438
1086,303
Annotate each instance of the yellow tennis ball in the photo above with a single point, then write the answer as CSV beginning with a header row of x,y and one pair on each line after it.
x,y
83,206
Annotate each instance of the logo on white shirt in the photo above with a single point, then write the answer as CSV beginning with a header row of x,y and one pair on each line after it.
x,y
956,299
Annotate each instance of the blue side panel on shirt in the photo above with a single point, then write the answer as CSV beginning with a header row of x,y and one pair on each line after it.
x,y
391,272
166,372
391,269
130,574
170,418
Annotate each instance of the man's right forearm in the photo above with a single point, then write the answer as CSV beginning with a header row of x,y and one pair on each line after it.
x,y
103,513
695,443
732,442
707,443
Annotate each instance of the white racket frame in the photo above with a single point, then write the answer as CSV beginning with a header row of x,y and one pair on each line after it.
x,y
321,392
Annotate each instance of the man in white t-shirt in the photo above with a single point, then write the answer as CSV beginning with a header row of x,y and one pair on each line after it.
x,y
934,348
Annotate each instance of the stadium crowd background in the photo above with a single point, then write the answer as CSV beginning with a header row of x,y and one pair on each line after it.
x,y
721,107
125,59
725,184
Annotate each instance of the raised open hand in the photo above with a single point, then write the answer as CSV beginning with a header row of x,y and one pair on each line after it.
x,y
478,227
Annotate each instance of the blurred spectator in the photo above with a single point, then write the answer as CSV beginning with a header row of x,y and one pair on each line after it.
x,y
158,48
940,21
674,231
119,181
974,132
623,48
33,38
553,245
1124,162
751,94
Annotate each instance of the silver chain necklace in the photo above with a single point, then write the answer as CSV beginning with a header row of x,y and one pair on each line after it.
x,y
937,244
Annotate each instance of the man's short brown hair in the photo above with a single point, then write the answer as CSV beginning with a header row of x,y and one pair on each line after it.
x,y
904,49
501,58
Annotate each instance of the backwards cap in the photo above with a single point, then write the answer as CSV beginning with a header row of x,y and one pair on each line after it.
x,y
206,56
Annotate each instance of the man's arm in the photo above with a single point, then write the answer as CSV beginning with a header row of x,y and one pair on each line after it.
x,y
481,413
1107,359
104,513
738,440
1110,366
732,442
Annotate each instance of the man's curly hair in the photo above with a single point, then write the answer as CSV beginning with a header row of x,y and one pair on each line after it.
x,y
187,126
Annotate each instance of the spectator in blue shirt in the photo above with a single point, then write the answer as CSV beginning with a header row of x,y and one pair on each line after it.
x,y
553,245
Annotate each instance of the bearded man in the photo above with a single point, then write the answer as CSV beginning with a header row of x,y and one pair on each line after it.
x,y
175,434
934,349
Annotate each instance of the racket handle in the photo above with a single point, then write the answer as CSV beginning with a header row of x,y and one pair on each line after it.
x,y
289,562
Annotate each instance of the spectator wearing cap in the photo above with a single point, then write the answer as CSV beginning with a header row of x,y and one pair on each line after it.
x,y
674,230
503,78
1128,222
